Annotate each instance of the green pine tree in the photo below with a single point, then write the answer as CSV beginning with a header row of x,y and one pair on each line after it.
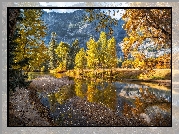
x,y
16,77
72,54
52,53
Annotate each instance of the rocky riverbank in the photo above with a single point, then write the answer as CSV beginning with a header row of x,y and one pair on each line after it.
x,y
49,84
25,108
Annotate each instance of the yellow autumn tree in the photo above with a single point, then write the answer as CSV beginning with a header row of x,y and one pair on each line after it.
x,y
79,88
31,30
81,60
92,54
103,56
112,55
62,51
146,24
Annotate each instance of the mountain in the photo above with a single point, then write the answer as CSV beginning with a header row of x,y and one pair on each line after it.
x,y
70,26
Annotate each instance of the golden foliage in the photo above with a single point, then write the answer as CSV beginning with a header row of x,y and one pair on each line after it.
x,y
31,30
142,24
80,59
103,20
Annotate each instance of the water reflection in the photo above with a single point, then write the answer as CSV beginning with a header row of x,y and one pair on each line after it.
x,y
102,93
63,94
150,105
33,75
80,88
154,110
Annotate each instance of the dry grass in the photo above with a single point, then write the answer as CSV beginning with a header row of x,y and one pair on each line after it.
x,y
118,73
157,74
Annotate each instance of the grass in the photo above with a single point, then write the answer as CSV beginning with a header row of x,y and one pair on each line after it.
x,y
118,74
157,74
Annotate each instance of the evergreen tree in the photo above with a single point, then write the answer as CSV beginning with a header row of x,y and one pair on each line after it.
x,y
72,54
52,53
14,18
16,78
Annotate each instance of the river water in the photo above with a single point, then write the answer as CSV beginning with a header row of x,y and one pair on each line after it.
x,y
125,99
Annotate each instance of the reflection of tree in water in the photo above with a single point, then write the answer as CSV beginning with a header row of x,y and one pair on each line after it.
x,y
80,88
62,95
97,92
52,102
154,110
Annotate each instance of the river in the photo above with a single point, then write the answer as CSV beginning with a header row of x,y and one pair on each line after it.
x,y
125,99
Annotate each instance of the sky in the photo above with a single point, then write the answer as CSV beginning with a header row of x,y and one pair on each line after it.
x,y
78,4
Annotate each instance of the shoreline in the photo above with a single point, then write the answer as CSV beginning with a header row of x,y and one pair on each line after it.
x,y
25,108
160,82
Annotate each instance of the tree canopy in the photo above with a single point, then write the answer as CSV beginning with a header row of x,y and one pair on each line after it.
x,y
31,31
52,53
142,24
80,59
62,51
103,20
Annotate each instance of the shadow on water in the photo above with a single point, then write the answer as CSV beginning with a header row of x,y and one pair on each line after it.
x,y
128,100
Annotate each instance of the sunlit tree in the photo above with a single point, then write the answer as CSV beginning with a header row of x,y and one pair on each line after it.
x,y
143,24
80,59
62,51
92,54
112,55
103,56
31,30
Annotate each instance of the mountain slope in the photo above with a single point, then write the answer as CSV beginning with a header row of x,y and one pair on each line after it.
x,y
70,26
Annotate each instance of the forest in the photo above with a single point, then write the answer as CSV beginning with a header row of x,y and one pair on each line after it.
x,y
96,70
30,53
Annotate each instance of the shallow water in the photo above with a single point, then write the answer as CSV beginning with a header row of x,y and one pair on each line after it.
x,y
124,99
